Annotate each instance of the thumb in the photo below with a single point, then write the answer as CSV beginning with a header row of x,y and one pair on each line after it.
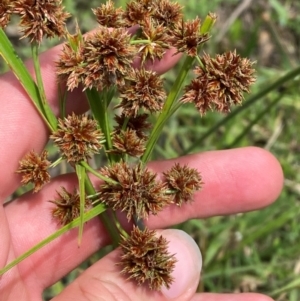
x,y
103,280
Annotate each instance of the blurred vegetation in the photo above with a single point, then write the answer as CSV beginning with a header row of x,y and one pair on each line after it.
x,y
257,251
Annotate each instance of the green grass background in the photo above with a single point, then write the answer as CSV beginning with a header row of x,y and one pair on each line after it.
x,y
257,251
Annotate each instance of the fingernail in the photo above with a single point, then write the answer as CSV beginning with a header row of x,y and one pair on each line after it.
x,y
188,267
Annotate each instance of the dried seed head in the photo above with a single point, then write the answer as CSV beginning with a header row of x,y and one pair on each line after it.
x,y
167,13
144,89
70,67
220,83
137,123
186,36
136,191
33,168
137,11
41,18
109,16
108,56
67,206
77,137
128,142
158,39
145,258
183,181
5,12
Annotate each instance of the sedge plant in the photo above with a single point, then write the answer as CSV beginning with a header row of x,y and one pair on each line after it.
x,y
128,108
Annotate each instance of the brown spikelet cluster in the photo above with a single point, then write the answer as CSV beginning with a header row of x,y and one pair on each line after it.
x,y
137,123
128,142
101,61
138,11
5,12
77,137
167,13
183,182
187,37
135,190
34,169
71,66
145,258
41,18
220,83
67,206
158,41
109,16
143,90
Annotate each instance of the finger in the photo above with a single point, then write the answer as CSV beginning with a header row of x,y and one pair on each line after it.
x,y
236,180
226,175
103,280
231,297
22,127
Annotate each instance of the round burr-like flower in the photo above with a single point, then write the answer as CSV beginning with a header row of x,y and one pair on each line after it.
x,y
70,67
220,82
41,18
67,206
137,123
186,36
77,137
158,41
167,13
5,12
34,169
134,190
128,142
108,56
110,16
183,181
145,258
144,89
138,11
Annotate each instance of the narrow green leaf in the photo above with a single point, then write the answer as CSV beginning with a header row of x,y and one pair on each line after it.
x,y
75,223
19,69
80,171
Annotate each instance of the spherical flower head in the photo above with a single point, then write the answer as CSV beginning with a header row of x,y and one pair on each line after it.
x,y
137,11
128,142
144,89
220,82
34,169
186,36
137,123
158,41
108,56
167,13
110,16
41,18
183,181
77,137
5,12
134,190
70,67
145,258
67,206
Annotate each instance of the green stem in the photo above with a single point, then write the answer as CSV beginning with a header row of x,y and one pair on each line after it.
x,y
98,102
75,223
173,94
108,224
22,74
97,174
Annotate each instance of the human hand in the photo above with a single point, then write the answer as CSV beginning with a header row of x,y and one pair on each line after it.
x,y
236,180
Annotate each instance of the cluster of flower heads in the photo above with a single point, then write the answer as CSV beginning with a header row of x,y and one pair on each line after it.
x,y
38,18
104,60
